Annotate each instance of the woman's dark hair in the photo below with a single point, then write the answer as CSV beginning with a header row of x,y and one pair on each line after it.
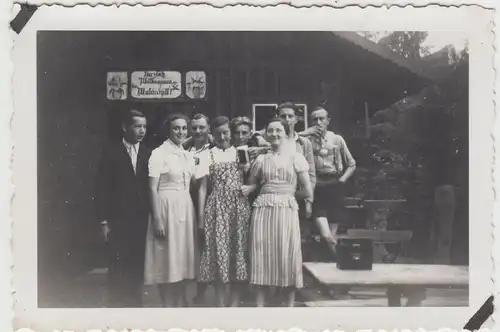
x,y
241,120
219,121
129,115
171,118
276,119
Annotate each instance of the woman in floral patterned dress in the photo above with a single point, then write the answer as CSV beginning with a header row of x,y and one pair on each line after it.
x,y
223,217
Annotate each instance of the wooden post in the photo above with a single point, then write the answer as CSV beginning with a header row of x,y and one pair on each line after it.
x,y
218,92
248,89
262,76
276,86
444,207
394,294
367,121
235,106
231,74
247,100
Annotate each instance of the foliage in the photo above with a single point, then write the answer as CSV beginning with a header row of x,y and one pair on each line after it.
x,y
373,35
420,141
407,43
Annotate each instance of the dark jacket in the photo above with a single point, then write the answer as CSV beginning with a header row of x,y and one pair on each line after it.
x,y
122,195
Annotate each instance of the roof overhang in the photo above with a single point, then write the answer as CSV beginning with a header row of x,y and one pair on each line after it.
x,y
417,69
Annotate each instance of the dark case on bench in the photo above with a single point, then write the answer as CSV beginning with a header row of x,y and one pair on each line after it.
x,y
354,254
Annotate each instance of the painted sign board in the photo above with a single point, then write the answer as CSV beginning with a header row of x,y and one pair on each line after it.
x,y
156,84
116,85
196,84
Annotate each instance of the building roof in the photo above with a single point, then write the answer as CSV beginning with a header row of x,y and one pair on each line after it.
x,y
418,69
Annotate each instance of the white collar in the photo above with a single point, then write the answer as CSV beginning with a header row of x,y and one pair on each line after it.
x,y
204,147
229,149
129,145
171,146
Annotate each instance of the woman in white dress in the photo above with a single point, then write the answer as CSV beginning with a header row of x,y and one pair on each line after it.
x,y
170,244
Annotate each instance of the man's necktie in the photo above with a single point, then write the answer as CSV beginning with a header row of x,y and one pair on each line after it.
x,y
133,153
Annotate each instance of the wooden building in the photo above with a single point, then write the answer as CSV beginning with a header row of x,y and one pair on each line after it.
x,y
340,70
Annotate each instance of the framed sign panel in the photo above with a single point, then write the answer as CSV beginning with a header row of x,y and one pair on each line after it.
x,y
263,112
117,85
156,84
196,84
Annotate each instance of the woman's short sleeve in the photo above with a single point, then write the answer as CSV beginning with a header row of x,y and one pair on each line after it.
x,y
156,164
300,163
256,168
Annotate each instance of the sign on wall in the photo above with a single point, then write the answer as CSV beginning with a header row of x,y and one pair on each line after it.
x,y
117,85
196,84
156,84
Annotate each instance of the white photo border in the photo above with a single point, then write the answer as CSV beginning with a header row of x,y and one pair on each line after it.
x,y
296,3
240,18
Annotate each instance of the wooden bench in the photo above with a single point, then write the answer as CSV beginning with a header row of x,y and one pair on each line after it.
x,y
380,236
398,279
380,239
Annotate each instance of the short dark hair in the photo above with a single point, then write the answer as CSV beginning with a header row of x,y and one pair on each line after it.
x,y
319,108
171,118
278,119
241,120
129,115
199,116
219,121
286,104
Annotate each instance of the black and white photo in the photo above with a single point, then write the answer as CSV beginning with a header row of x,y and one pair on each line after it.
x,y
199,169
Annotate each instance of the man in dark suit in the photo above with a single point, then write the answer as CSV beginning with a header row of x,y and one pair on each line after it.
x,y
124,210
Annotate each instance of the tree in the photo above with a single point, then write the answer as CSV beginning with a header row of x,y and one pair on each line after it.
x,y
374,36
407,43
418,146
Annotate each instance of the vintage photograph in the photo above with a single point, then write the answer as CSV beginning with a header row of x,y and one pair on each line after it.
x,y
244,168
184,168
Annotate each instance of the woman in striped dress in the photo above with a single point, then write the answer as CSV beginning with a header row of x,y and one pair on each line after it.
x,y
275,246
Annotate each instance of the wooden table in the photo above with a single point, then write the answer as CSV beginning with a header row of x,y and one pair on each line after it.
x,y
399,279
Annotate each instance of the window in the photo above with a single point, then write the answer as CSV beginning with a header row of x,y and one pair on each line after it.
x,y
263,112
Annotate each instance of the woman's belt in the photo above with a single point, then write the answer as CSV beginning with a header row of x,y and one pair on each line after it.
x,y
173,188
278,189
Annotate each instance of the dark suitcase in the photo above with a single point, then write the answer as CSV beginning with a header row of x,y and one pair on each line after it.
x,y
354,254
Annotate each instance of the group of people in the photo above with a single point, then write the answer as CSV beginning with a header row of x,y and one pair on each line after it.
x,y
220,207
